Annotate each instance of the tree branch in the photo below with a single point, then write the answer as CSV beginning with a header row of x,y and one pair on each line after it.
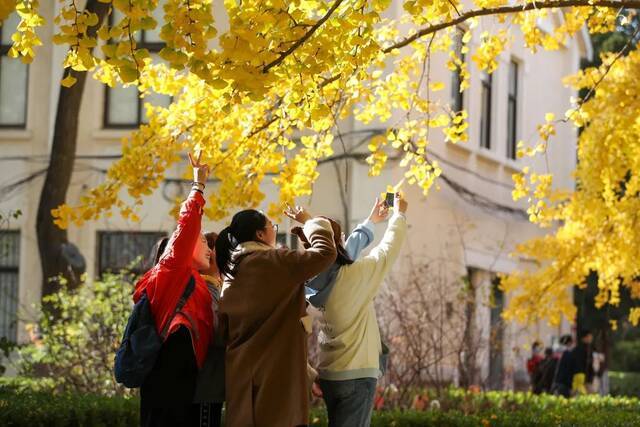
x,y
303,39
629,4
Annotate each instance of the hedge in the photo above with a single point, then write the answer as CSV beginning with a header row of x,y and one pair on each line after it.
x,y
22,406
624,383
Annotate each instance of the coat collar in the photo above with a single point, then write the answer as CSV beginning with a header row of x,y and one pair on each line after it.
x,y
247,248
241,250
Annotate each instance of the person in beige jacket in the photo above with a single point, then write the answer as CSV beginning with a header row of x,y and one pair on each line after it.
x,y
349,339
261,308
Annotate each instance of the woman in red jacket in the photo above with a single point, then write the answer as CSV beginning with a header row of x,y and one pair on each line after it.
x,y
167,394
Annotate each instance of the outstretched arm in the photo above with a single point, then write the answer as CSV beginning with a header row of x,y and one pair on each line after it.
x,y
363,234
179,250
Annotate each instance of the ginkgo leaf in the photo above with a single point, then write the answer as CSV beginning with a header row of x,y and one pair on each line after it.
x,y
68,81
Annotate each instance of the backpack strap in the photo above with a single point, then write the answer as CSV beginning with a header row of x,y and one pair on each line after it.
x,y
188,290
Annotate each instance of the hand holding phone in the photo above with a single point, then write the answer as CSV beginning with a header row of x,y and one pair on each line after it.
x,y
401,204
389,199
379,212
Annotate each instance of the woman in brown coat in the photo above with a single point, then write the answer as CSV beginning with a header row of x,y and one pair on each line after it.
x,y
262,304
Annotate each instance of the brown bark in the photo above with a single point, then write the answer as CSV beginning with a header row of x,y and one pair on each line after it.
x,y
56,183
506,10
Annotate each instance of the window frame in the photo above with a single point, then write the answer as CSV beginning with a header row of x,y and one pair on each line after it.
x,y
13,270
512,108
287,239
101,269
4,52
486,108
152,47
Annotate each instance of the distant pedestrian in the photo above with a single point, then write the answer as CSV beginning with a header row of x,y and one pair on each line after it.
x,y
534,360
583,359
563,378
544,372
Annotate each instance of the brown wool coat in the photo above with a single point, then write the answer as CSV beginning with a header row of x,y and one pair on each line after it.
x,y
261,308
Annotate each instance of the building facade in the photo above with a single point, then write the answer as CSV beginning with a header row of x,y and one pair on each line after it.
x,y
470,222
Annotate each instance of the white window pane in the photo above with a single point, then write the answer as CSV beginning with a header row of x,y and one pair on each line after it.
x,y
513,78
155,99
13,91
153,36
123,106
9,27
119,16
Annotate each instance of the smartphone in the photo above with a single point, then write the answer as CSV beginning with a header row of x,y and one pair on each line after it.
x,y
389,198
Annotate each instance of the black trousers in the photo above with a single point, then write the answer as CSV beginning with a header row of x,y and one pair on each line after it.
x,y
206,415
166,396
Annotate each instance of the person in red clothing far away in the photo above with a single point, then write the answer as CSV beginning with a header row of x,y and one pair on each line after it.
x,y
534,360
167,394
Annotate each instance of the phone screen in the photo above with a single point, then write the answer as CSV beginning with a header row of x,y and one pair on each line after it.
x,y
389,199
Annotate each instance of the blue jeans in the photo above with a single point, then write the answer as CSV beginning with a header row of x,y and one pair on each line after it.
x,y
349,402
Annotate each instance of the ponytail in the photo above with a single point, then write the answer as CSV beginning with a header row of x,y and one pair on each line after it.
x,y
159,249
223,253
343,257
244,226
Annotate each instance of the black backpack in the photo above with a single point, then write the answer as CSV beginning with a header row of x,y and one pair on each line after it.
x,y
141,342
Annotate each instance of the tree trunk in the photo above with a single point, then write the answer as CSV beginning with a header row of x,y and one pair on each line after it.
x,y
61,163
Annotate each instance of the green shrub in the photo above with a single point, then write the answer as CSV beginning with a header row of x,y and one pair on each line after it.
x,y
626,356
21,406
34,409
78,346
624,383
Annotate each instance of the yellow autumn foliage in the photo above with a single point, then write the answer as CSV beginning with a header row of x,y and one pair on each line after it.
x,y
262,97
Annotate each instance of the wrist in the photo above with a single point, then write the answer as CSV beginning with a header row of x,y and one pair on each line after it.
x,y
376,220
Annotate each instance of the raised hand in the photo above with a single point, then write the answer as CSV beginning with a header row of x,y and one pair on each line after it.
x,y
297,213
200,170
400,204
379,211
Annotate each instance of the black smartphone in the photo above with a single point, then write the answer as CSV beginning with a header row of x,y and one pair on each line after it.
x,y
389,198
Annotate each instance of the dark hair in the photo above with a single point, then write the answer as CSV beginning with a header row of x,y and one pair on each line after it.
x,y
566,339
211,239
159,249
583,333
343,257
548,352
244,226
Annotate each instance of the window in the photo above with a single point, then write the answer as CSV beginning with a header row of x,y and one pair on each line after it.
x,y
9,268
496,340
123,250
287,240
512,113
485,113
123,106
457,97
13,80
